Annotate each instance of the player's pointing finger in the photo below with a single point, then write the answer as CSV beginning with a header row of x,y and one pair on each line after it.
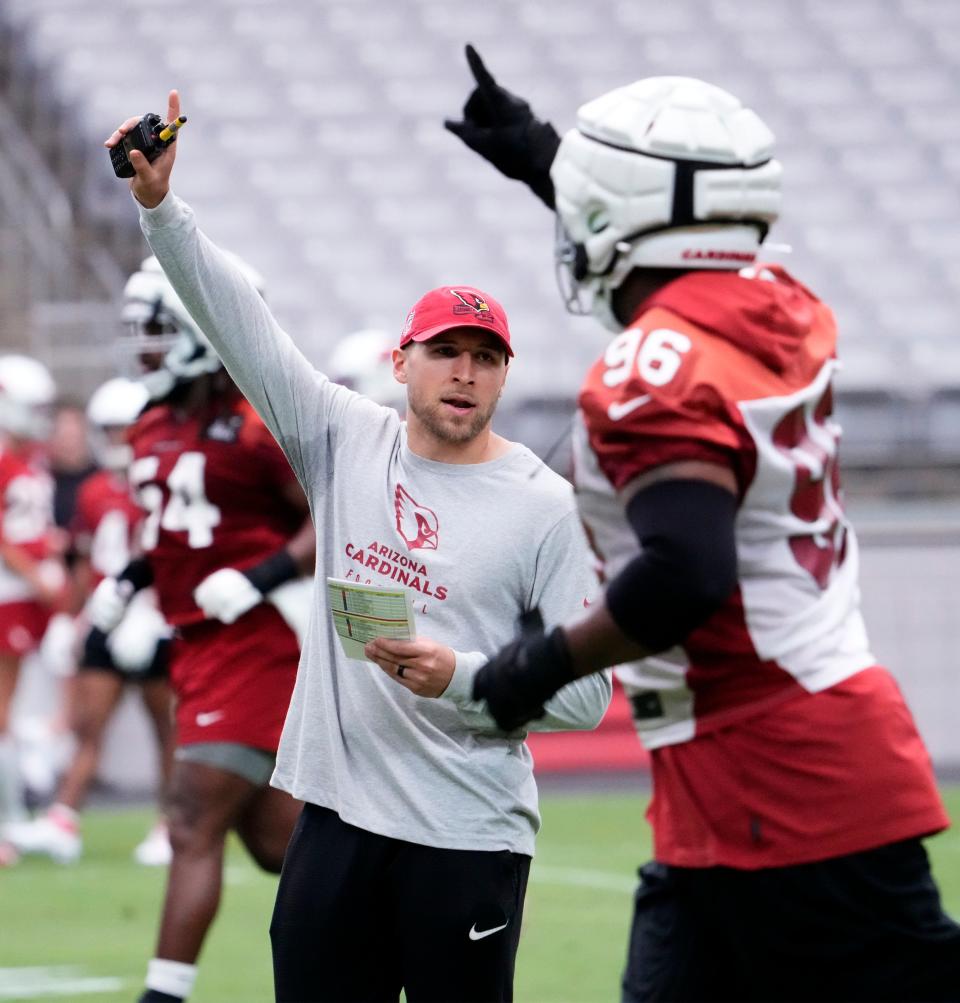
x,y
481,74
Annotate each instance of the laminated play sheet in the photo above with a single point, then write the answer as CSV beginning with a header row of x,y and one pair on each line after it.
x,y
362,612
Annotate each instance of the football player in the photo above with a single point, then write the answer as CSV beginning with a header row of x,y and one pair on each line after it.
x,y
32,576
136,650
225,540
791,789
363,361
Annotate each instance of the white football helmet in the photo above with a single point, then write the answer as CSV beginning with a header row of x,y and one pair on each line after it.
x,y
27,395
114,405
170,346
363,361
668,172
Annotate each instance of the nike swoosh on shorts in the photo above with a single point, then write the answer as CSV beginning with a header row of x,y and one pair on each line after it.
x,y
476,934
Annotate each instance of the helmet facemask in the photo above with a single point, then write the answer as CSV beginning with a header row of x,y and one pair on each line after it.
x,y
162,346
112,409
363,361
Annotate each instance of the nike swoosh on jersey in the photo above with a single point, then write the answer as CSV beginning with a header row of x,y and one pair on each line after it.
x,y
620,409
204,720
476,934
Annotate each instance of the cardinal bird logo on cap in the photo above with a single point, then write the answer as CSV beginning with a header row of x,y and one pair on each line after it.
x,y
417,524
471,301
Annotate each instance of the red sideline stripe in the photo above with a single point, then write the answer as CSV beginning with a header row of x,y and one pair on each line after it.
x,y
613,746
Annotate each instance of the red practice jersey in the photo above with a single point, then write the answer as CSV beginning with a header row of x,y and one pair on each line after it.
x,y
775,737
212,491
211,488
105,522
26,518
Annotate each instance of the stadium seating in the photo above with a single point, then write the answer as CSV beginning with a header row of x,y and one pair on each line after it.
x,y
315,150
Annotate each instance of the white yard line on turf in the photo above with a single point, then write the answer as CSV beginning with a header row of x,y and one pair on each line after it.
x,y
543,874
577,877
48,983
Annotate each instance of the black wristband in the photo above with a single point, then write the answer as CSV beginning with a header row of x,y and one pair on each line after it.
x,y
518,680
138,573
272,571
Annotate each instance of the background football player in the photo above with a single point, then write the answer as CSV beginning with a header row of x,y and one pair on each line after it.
x,y
363,361
225,540
791,788
104,526
32,577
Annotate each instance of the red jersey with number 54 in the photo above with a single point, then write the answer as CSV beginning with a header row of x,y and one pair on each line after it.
x,y
211,489
776,739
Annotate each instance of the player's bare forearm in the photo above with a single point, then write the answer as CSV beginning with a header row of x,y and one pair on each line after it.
x,y
596,642
151,181
302,547
46,577
82,583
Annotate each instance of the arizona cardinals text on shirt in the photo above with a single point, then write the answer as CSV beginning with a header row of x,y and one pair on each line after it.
x,y
398,567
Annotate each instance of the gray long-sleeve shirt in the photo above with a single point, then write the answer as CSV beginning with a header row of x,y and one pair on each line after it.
x,y
475,544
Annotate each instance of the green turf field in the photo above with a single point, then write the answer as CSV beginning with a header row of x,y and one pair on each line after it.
x,y
84,933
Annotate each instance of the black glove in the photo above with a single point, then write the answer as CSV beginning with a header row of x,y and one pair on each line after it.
x,y
521,677
501,127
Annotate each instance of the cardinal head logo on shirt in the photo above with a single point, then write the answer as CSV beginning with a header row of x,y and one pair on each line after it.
x,y
417,524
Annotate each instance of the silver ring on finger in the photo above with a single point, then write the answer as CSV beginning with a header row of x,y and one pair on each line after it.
x,y
401,669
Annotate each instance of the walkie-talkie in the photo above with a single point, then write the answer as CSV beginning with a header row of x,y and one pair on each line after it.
x,y
150,136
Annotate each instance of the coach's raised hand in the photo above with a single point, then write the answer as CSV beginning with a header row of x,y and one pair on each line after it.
x,y
151,182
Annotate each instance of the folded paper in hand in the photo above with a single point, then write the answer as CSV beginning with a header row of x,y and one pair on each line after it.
x,y
362,612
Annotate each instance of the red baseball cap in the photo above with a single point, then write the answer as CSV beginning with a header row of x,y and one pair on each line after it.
x,y
447,307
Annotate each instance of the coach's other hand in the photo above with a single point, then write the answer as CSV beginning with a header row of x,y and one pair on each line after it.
x,y
422,666
150,182
520,678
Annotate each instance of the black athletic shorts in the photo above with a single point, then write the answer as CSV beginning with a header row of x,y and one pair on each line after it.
x,y
360,916
868,926
97,657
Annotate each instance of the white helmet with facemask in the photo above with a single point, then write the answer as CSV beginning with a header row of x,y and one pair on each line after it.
x,y
115,405
363,361
668,172
27,395
170,346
